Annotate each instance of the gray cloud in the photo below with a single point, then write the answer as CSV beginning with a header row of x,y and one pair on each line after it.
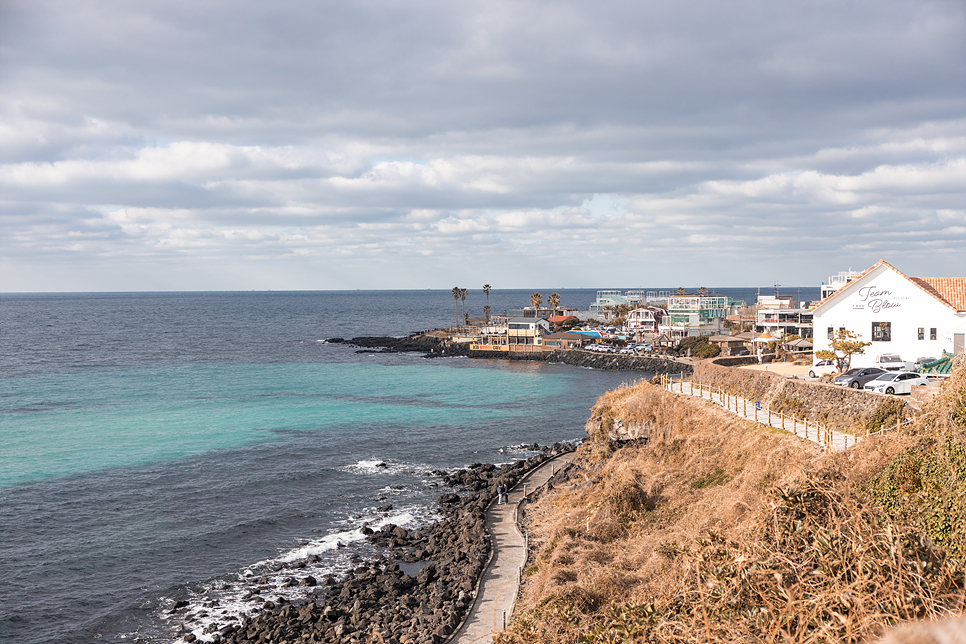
x,y
343,145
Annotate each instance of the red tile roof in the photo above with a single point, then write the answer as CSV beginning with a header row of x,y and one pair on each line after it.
x,y
949,290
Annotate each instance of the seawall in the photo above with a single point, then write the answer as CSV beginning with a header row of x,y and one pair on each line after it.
x,y
591,360
433,347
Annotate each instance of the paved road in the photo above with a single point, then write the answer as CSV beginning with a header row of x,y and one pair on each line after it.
x,y
838,441
501,579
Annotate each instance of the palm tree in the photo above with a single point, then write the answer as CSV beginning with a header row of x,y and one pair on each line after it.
x,y
486,309
466,318
456,296
535,301
486,313
554,302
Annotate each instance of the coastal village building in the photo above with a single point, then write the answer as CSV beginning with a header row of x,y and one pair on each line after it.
x,y
526,334
565,340
779,317
729,344
547,313
835,282
914,317
639,298
607,299
691,315
645,319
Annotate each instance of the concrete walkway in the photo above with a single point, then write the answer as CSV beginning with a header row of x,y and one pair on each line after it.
x,y
827,438
501,580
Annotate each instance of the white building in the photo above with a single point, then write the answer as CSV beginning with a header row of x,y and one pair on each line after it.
x,y
837,281
645,319
914,317
779,317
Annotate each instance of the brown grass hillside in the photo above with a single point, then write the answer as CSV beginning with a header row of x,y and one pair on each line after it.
x,y
718,530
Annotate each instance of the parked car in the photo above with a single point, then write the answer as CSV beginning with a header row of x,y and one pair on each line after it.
x,y
892,362
740,352
896,383
856,378
823,367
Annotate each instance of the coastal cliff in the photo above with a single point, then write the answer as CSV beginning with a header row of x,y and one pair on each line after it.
x,y
680,522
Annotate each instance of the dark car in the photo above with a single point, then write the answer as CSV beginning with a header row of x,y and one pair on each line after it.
x,y
856,378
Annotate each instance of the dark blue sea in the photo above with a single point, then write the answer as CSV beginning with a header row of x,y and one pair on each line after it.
x,y
165,446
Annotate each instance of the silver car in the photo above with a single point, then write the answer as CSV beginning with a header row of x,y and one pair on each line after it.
x,y
856,378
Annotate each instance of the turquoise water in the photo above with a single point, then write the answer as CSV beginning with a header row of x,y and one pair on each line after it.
x,y
70,423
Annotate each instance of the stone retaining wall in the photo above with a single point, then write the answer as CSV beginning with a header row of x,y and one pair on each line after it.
x,y
593,360
838,407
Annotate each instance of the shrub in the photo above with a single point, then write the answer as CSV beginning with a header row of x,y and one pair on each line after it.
x,y
707,351
887,414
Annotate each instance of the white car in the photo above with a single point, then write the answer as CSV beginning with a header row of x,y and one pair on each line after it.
x,y
823,367
895,383
892,362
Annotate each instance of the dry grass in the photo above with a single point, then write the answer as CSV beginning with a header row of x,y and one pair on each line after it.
x,y
721,531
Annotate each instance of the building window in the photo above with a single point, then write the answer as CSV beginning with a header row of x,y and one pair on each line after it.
x,y
932,333
831,333
922,333
882,331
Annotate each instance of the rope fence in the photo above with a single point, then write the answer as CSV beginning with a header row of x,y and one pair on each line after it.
x,y
752,410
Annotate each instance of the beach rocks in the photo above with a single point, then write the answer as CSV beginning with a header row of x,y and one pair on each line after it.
x,y
422,601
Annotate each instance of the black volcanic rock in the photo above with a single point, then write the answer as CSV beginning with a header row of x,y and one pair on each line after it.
x,y
378,596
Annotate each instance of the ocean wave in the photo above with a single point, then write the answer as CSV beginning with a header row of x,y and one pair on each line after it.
x,y
377,466
227,600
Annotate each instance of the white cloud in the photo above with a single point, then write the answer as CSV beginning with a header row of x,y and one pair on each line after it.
x,y
690,140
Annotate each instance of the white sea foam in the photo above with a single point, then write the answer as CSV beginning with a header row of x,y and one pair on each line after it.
x,y
216,604
375,466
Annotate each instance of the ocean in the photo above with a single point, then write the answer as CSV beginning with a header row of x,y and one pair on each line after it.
x,y
162,447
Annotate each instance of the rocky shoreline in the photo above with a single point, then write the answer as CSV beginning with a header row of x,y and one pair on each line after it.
x,y
433,347
416,592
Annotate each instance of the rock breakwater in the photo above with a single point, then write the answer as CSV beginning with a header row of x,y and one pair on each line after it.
x,y
433,347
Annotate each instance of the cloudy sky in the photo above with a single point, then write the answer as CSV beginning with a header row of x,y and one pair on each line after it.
x,y
234,145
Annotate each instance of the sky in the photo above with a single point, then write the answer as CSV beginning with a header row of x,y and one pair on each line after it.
x,y
374,144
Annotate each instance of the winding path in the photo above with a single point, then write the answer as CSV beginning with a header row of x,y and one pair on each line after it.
x,y
500,583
